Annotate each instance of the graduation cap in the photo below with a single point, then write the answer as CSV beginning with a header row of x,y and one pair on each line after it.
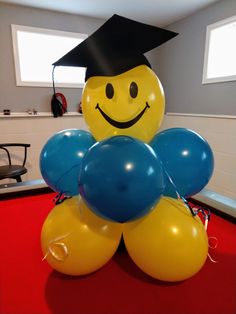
x,y
116,47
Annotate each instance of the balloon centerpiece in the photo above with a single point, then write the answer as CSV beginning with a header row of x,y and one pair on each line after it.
x,y
123,177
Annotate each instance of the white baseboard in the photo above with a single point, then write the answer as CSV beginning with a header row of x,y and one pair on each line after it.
x,y
22,186
215,200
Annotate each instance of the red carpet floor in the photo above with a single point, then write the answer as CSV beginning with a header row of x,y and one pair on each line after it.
x,y
30,286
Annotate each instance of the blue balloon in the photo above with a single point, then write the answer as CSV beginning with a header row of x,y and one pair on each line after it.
x,y
121,178
187,160
61,157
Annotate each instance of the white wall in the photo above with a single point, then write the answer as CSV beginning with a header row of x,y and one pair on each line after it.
x,y
35,131
219,132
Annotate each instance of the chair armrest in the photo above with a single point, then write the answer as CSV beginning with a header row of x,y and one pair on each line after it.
x,y
14,144
8,154
3,146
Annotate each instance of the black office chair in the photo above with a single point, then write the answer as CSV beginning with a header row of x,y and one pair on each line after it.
x,y
13,171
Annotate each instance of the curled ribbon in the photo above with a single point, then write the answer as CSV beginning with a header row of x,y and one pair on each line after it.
x,y
213,247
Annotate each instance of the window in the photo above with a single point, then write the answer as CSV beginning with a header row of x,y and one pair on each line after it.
x,y
35,49
220,52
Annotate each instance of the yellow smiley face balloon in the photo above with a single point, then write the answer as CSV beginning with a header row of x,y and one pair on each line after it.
x,y
131,104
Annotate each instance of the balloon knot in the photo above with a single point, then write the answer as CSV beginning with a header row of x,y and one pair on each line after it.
x,y
53,245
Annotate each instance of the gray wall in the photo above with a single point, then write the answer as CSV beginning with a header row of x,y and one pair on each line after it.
x,y
179,65
20,99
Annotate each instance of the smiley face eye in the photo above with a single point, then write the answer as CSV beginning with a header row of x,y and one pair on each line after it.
x,y
133,90
109,91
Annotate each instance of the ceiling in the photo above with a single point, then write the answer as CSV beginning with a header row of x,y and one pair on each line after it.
x,y
157,12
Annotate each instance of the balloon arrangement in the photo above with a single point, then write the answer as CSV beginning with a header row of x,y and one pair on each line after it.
x,y
124,178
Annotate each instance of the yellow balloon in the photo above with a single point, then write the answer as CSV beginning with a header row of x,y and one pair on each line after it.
x,y
130,104
169,243
75,241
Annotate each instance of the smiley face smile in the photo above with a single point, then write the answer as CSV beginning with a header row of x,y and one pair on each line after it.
x,y
129,104
125,124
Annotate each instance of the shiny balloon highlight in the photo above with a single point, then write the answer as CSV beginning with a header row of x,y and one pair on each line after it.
x,y
60,159
75,241
121,178
187,158
168,243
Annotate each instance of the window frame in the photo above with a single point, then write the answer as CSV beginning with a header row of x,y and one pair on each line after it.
x,y
205,79
19,82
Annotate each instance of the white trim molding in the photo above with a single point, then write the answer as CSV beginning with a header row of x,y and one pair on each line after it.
x,y
201,115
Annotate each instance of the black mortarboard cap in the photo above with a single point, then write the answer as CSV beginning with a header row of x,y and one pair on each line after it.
x,y
116,47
